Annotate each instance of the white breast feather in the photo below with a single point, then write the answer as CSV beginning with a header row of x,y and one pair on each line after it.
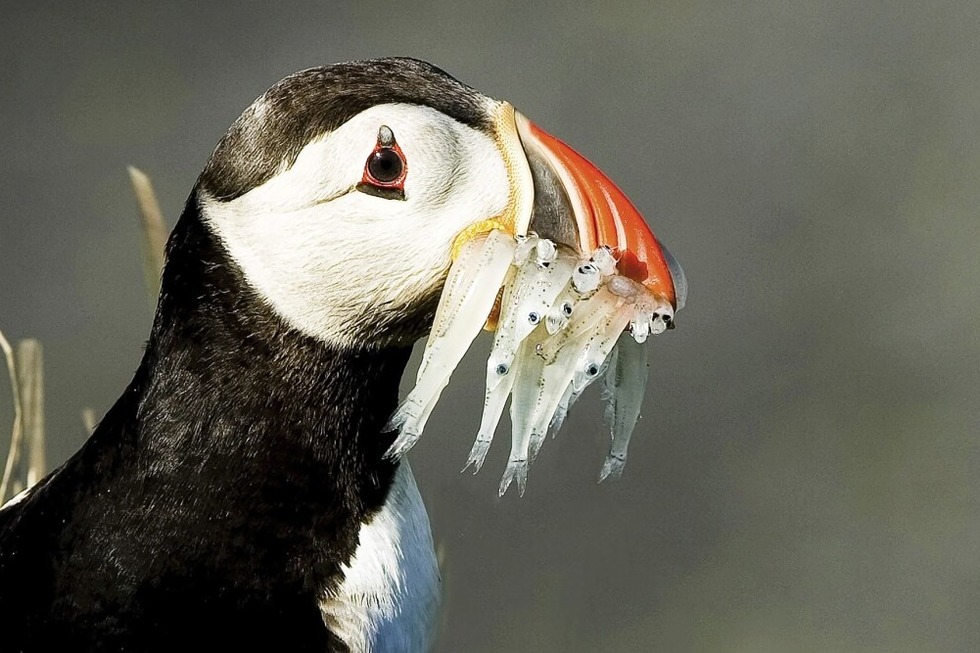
x,y
389,598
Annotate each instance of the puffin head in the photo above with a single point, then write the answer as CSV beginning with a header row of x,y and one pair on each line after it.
x,y
345,193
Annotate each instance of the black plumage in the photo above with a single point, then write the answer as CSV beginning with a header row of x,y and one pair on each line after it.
x,y
219,494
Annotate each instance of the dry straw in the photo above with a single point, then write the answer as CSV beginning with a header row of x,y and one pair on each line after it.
x,y
26,463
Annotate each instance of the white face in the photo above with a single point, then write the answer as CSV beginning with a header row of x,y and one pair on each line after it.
x,y
340,264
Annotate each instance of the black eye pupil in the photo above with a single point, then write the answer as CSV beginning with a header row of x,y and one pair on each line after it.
x,y
385,165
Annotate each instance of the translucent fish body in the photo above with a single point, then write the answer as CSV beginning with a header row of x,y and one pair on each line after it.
x,y
564,322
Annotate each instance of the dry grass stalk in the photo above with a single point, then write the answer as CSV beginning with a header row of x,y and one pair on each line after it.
x,y
30,378
17,435
89,420
25,366
26,462
154,230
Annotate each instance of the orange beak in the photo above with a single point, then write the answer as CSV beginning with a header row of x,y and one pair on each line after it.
x,y
579,206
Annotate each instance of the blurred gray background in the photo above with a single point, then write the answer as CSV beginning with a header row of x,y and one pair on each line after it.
x,y
805,475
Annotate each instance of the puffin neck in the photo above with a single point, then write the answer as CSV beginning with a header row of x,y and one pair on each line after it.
x,y
225,379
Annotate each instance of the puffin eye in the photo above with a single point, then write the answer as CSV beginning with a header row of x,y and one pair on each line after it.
x,y
385,169
384,166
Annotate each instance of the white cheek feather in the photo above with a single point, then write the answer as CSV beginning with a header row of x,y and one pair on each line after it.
x,y
328,258
389,598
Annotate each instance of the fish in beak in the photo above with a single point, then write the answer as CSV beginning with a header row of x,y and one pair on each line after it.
x,y
571,280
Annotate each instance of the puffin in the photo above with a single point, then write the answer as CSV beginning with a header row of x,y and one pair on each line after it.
x,y
239,494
